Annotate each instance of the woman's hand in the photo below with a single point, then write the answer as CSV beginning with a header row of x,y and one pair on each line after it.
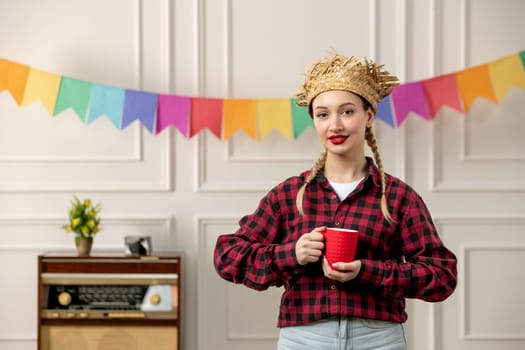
x,y
342,272
309,248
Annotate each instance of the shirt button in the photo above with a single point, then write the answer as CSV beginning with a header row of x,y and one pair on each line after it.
x,y
334,196
333,286
337,223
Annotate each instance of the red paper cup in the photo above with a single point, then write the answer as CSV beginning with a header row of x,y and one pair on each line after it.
x,y
340,244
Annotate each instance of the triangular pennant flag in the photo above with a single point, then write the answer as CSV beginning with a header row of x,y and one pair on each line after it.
x,y
408,98
13,78
240,114
73,94
42,86
174,110
206,113
106,100
442,91
506,73
300,118
384,111
274,114
473,83
140,105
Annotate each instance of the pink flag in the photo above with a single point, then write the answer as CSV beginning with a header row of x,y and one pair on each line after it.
x,y
442,91
408,98
174,110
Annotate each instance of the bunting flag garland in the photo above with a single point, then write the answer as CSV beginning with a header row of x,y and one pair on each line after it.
x,y
73,94
473,83
240,114
42,86
106,100
254,117
442,91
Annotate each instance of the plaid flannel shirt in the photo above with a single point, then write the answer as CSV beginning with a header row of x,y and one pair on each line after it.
x,y
406,260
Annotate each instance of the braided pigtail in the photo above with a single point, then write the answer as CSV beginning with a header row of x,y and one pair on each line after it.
x,y
315,170
372,143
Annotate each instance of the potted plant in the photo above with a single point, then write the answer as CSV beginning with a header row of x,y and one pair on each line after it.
x,y
84,221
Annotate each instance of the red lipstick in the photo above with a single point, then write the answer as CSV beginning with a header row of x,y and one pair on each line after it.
x,y
337,139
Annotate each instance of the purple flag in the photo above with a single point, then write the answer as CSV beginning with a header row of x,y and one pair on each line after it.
x,y
139,105
408,98
384,111
174,110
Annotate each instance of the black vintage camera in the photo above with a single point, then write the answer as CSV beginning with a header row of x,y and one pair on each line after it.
x,y
138,245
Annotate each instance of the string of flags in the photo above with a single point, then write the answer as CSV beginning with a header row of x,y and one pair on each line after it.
x,y
255,117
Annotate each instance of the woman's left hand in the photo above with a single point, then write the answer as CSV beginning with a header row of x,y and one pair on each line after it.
x,y
342,272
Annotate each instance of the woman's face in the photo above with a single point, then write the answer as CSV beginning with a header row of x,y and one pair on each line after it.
x,y
340,120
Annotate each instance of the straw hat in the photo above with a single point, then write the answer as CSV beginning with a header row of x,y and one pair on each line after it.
x,y
336,72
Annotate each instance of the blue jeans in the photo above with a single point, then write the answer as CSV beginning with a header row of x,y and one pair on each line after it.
x,y
344,334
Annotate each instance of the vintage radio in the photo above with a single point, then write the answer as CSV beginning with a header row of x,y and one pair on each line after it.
x,y
108,301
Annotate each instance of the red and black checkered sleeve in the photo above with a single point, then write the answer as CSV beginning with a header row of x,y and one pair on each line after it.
x,y
255,254
427,270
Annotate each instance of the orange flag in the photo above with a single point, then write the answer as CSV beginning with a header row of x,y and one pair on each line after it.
x,y
274,114
475,82
506,73
42,86
239,114
13,78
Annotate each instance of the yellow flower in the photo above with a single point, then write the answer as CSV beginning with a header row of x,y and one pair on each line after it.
x,y
83,218
75,222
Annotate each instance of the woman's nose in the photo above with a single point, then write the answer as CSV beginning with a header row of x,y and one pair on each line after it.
x,y
335,123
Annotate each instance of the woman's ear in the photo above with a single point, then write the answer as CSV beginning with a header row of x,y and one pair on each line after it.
x,y
370,117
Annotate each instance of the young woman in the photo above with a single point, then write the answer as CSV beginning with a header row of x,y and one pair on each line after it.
x,y
346,305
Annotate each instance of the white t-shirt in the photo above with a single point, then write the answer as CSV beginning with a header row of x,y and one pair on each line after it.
x,y
343,189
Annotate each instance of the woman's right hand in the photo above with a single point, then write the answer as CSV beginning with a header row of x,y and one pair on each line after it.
x,y
309,248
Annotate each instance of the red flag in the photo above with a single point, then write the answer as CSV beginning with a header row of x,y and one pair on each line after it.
x,y
206,113
442,91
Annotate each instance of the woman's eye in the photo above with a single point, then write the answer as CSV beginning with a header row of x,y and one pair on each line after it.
x,y
321,115
348,111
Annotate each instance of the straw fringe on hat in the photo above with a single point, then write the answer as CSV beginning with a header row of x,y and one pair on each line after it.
x,y
336,72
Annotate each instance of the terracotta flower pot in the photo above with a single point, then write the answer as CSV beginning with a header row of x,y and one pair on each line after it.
x,y
83,246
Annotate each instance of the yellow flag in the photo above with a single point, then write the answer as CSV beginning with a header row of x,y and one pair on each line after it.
x,y
239,114
42,86
506,73
274,114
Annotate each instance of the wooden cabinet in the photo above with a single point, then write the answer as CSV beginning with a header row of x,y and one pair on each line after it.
x,y
108,301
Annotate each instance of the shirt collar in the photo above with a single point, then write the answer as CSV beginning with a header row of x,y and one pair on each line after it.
x,y
373,172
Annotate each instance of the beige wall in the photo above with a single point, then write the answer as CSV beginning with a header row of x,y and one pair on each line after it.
x,y
184,192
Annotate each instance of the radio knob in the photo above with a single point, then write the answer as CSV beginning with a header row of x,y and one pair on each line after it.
x,y
155,299
64,298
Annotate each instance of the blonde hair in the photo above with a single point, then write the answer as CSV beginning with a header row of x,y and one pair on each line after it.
x,y
372,143
320,163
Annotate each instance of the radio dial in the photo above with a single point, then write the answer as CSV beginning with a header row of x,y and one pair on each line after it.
x,y
64,298
155,299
